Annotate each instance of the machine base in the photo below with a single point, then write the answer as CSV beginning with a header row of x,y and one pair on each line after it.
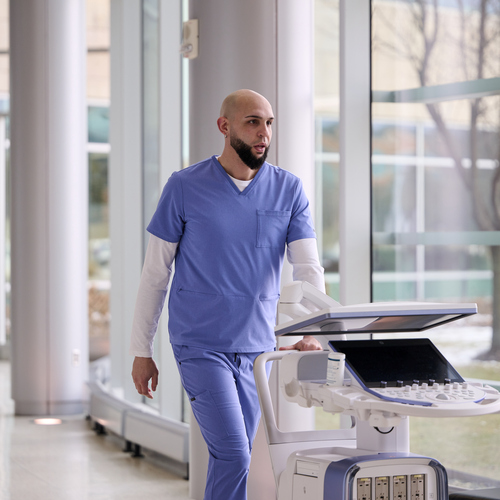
x,y
328,474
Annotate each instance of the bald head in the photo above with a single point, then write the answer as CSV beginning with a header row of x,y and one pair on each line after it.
x,y
245,120
241,98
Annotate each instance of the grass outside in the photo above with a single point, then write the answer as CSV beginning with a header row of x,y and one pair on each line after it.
x,y
469,444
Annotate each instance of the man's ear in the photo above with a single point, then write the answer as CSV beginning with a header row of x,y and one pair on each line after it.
x,y
223,125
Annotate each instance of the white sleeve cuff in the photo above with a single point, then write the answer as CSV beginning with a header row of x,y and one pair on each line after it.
x,y
304,258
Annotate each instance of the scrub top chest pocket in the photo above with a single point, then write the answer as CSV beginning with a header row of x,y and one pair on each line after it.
x,y
272,227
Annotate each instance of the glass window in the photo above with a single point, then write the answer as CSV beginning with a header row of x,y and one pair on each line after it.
x,y
326,105
98,216
157,18
435,179
327,157
99,256
98,124
151,121
98,41
151,108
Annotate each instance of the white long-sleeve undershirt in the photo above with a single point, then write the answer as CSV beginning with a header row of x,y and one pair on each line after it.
x,y
151,295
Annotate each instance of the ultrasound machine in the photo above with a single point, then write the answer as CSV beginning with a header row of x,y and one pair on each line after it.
x,y
376,384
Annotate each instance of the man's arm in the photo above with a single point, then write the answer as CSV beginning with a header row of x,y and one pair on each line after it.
x,y
153,288
303,255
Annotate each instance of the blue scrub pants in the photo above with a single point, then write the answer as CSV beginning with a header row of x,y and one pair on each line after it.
x,y
221,388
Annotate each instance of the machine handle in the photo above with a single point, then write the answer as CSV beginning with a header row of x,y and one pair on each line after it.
x,y
273,434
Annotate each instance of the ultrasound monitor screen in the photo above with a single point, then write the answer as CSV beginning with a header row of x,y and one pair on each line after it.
x,y
404,360
390,317
404,323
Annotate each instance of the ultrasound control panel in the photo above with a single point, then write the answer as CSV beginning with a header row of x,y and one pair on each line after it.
x,y
410,371
428,393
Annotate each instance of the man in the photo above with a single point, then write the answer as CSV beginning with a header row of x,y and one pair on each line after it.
x,y
226,222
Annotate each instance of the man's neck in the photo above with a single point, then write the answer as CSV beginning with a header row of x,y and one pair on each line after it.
x,y
236,168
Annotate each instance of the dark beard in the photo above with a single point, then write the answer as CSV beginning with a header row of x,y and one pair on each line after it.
x,y
245,153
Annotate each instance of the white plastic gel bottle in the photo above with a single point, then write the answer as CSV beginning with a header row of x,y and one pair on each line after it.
x,y
335,368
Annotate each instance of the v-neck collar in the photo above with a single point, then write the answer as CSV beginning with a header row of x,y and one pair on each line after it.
x,y
232,184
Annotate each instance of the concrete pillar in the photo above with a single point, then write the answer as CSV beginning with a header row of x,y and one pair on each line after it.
x,y
266,46
49,206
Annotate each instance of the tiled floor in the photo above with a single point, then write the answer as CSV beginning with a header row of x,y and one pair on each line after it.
x,y
71,462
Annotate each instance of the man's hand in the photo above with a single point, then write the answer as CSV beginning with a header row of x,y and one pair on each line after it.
x,y
144,370
308,343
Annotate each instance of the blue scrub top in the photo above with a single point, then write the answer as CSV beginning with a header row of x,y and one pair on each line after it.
x,y
231,246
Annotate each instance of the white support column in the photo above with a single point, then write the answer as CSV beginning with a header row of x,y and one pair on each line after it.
x,y
49,206
3,198
355,152
125,181
237,50
294,130
295,127
295,103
